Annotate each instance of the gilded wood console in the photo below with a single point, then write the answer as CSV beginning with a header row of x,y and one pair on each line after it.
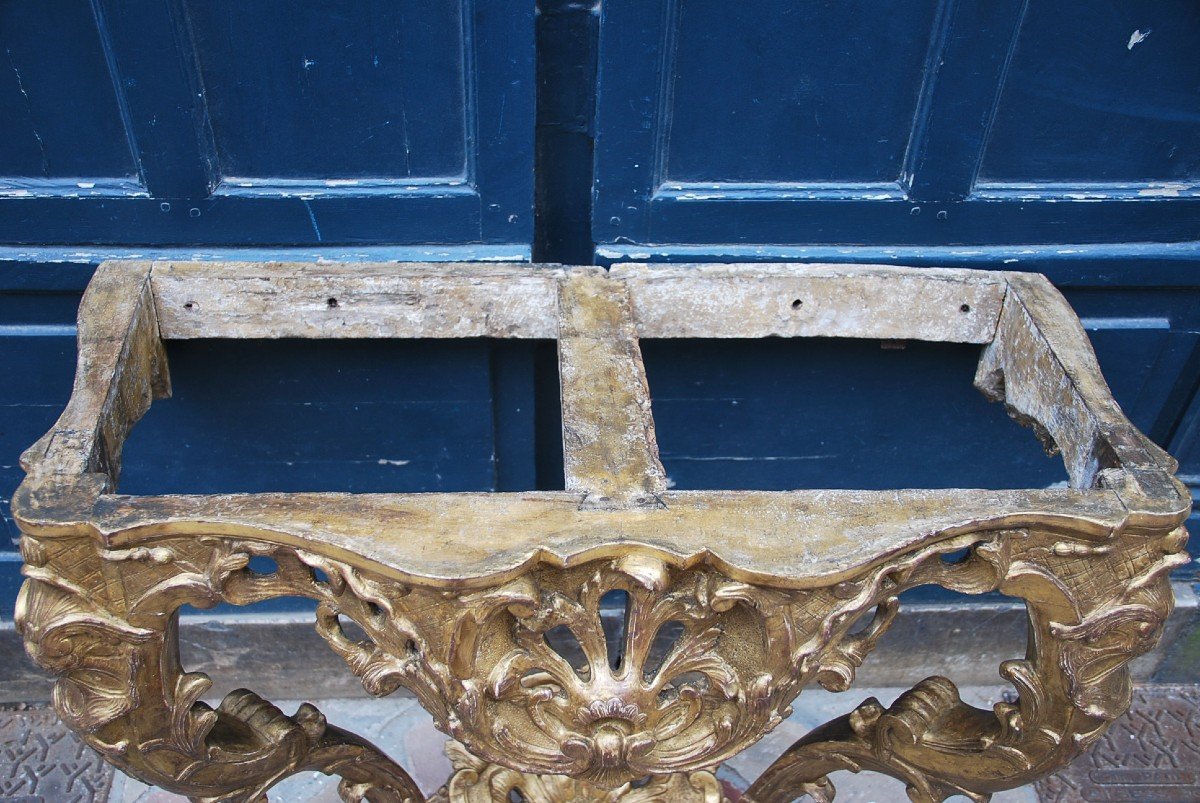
x,y
737,599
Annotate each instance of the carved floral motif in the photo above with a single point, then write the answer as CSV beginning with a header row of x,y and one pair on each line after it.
x,y
532,675
476,781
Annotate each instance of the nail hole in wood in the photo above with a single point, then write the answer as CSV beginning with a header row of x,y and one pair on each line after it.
x,y
331,303
190,305
965,308
797,304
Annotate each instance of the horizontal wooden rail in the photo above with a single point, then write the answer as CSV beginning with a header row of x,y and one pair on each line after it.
x,y
463,598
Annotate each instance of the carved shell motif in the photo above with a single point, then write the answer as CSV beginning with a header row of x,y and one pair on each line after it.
x,y
624,671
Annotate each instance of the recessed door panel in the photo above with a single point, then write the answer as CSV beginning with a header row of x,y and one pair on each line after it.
x,y
308,90
1106,92
270,123
949,123
62,117
757,94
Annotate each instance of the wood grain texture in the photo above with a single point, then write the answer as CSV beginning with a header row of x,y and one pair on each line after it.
x,y
1042,366
792,539
609,448
813,300
455,594
121,369
276,300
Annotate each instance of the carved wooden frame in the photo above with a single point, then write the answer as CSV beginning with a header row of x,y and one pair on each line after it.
x,y
768,591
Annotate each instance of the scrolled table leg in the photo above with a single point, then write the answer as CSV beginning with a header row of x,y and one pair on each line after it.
x,y
1093,607
482,663
121,687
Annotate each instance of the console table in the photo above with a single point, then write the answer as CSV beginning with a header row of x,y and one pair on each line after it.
x,y
736,599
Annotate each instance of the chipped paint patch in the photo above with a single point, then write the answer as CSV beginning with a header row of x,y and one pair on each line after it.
x,y
1136,38
1167,190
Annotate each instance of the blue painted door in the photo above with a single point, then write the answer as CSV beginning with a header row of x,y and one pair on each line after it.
x,y
903,122
218,122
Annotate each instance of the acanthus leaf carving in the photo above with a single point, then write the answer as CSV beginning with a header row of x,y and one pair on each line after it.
x,y
524,673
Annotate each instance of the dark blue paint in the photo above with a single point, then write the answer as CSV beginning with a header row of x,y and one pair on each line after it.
x,y
514,413
151,62
840,217
1089,99
567,36
45,46
1130,264
1148,345
300,90
1185,446
738,107
10,583
213,98
753,166
40,373
68,268
353,416
968,53
785,414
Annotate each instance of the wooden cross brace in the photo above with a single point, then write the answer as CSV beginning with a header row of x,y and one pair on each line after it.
x,y
737,599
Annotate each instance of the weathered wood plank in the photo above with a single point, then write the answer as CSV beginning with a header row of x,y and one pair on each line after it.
x,y
1043,367
278,300
121,368
815,300
782,576
788,539
609,449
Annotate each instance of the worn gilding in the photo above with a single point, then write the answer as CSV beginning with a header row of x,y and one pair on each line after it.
x,y
487,607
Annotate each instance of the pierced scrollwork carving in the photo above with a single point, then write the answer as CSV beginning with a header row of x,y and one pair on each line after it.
x,y
526,676
1091,612
490,608
115,647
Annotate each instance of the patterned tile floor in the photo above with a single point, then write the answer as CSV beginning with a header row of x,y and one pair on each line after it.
x,y
1152,756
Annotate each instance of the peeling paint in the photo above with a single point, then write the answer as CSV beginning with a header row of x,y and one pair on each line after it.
x,y
1136,38
1167,190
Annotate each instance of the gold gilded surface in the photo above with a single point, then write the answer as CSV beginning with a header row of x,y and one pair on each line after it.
x,y
490,608
477,781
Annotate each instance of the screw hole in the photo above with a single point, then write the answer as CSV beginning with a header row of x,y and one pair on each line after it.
x,y
965,308
331,303
190,305
797,304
